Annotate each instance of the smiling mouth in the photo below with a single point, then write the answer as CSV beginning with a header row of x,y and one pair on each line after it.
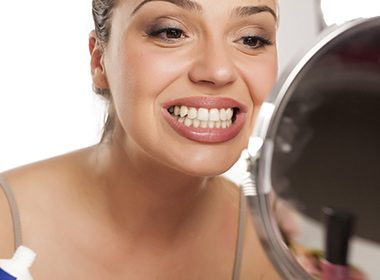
x,y
204,117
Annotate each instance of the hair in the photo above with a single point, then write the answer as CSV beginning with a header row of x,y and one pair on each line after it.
x,y
102,15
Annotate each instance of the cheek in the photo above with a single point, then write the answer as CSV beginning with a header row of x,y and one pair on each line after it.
x,y
146,72
138,77
261,78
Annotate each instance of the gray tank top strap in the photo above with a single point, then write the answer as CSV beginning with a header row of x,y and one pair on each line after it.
x,y
14,211
240,238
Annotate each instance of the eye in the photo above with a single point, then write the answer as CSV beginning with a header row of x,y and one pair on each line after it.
x,y
255,42
167,34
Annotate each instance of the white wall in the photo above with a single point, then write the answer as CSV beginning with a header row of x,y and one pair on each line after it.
x,y
46,103
299,27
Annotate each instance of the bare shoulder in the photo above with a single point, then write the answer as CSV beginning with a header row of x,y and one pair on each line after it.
x,y
36,188
35,185
36,175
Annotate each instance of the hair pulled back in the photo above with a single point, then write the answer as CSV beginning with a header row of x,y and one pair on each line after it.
x,y
102,15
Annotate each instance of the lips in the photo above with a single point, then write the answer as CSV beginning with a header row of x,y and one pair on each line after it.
x,y
205,119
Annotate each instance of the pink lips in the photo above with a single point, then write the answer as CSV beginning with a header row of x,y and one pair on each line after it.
x,y
207,135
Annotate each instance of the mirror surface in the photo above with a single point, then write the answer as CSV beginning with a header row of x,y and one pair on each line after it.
x,y
321,149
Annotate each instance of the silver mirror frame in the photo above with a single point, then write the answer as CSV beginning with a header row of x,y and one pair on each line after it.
x,y
257,184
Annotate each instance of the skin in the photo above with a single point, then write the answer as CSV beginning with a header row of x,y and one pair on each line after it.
x,y
86,213
207,63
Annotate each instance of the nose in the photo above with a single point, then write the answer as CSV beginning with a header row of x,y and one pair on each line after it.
x,y
212,66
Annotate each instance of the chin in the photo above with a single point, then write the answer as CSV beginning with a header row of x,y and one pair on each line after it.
x,y
207,168
204,160
200,172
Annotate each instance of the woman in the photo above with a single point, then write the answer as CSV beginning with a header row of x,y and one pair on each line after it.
x,y
184,81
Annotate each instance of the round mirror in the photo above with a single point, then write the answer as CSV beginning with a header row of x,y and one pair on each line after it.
x,y
316,146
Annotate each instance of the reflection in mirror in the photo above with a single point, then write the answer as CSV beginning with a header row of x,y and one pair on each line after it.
x,y
327,146
325,135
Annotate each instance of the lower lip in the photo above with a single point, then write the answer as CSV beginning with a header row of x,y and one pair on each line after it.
x,y
207,135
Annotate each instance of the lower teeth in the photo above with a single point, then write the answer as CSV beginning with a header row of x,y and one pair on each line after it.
x,y
204,124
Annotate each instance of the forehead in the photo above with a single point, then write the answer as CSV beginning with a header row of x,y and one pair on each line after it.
x,y
254,2
205,4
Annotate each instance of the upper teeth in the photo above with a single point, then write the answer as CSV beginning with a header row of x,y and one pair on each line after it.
x,y
202,114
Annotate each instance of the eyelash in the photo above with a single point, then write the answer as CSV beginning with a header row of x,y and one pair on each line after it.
x,y
252,42
163,34
258,42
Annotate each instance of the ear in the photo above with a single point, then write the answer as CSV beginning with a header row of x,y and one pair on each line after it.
x,y
98,73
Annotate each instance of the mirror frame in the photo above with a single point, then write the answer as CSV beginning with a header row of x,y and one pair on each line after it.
x,y
257,183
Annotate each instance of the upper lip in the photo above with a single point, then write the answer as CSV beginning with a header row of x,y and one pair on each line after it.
x,y
206,102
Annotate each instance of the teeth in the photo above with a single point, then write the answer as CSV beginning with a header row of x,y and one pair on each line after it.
x,y
196,123
193,113
202,114
223,115
188,122
204,124
212,116
229,113
183,112
176,110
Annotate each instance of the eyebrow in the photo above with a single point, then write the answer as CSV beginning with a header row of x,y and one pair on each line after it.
x,y
253,10
185,4
193,6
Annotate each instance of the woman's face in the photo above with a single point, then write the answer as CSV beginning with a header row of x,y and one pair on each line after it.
x,y
188,78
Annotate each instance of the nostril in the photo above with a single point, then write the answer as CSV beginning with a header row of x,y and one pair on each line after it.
x,y
207,82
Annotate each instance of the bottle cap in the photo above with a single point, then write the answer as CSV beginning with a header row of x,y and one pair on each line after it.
x,y
24,256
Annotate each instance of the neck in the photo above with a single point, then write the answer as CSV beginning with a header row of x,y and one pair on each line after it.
x,y
142,196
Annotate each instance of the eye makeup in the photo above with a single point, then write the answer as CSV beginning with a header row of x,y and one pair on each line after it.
x,y
253,38
173,26
166,29
257,42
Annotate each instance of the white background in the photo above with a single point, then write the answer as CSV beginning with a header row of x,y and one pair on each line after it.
x,y
46,103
